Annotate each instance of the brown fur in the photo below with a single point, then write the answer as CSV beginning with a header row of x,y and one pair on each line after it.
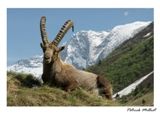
x,y
58,73
105,87
69,78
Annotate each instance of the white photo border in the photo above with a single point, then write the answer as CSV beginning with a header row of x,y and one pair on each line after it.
x,y
4,4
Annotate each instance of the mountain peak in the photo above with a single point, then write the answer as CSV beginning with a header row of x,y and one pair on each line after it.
x,y
85,48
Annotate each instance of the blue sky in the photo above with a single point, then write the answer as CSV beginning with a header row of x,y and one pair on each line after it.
x,y
23,32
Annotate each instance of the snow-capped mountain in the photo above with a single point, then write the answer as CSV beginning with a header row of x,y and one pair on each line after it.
x,y
85,48
88,47
32,66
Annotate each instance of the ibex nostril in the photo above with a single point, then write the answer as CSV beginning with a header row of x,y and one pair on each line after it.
x,y
46,57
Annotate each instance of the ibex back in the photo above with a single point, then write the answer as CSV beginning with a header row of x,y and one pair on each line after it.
x,y
58,73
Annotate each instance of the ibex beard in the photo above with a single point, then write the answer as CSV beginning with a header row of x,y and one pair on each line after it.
x,y
58,73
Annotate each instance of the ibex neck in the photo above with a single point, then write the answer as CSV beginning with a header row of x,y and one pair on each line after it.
x,y
57,65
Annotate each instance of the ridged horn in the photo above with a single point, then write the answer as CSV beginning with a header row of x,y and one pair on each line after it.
x,y
67,25
43,30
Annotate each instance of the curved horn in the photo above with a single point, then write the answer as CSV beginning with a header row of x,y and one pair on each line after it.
x,y
43,30
67,25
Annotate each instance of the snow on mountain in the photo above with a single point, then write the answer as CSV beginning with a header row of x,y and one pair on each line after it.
x,y
32,66
132,86
88,47
85,48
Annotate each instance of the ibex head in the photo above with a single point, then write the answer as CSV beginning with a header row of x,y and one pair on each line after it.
x,y
51,49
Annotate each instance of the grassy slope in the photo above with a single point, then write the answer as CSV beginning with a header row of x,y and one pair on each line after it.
x,y
144,91
23,91
138,102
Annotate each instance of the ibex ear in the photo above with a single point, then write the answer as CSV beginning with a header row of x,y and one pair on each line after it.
x,y
42,45
61,48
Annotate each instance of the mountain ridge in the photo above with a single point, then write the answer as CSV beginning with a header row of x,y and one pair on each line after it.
x,y
83,51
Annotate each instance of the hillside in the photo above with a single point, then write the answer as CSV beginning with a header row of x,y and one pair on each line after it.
x,y
129,62
145,100
146,82
142,93
26,90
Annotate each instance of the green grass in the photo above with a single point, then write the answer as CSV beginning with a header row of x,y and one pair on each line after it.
x,y
147,98
127,63
22,92
141,90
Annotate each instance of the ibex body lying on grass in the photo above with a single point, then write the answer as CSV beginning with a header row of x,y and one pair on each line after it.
x,y
58,73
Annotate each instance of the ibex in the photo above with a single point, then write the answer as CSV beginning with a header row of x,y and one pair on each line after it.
x,y
64,75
